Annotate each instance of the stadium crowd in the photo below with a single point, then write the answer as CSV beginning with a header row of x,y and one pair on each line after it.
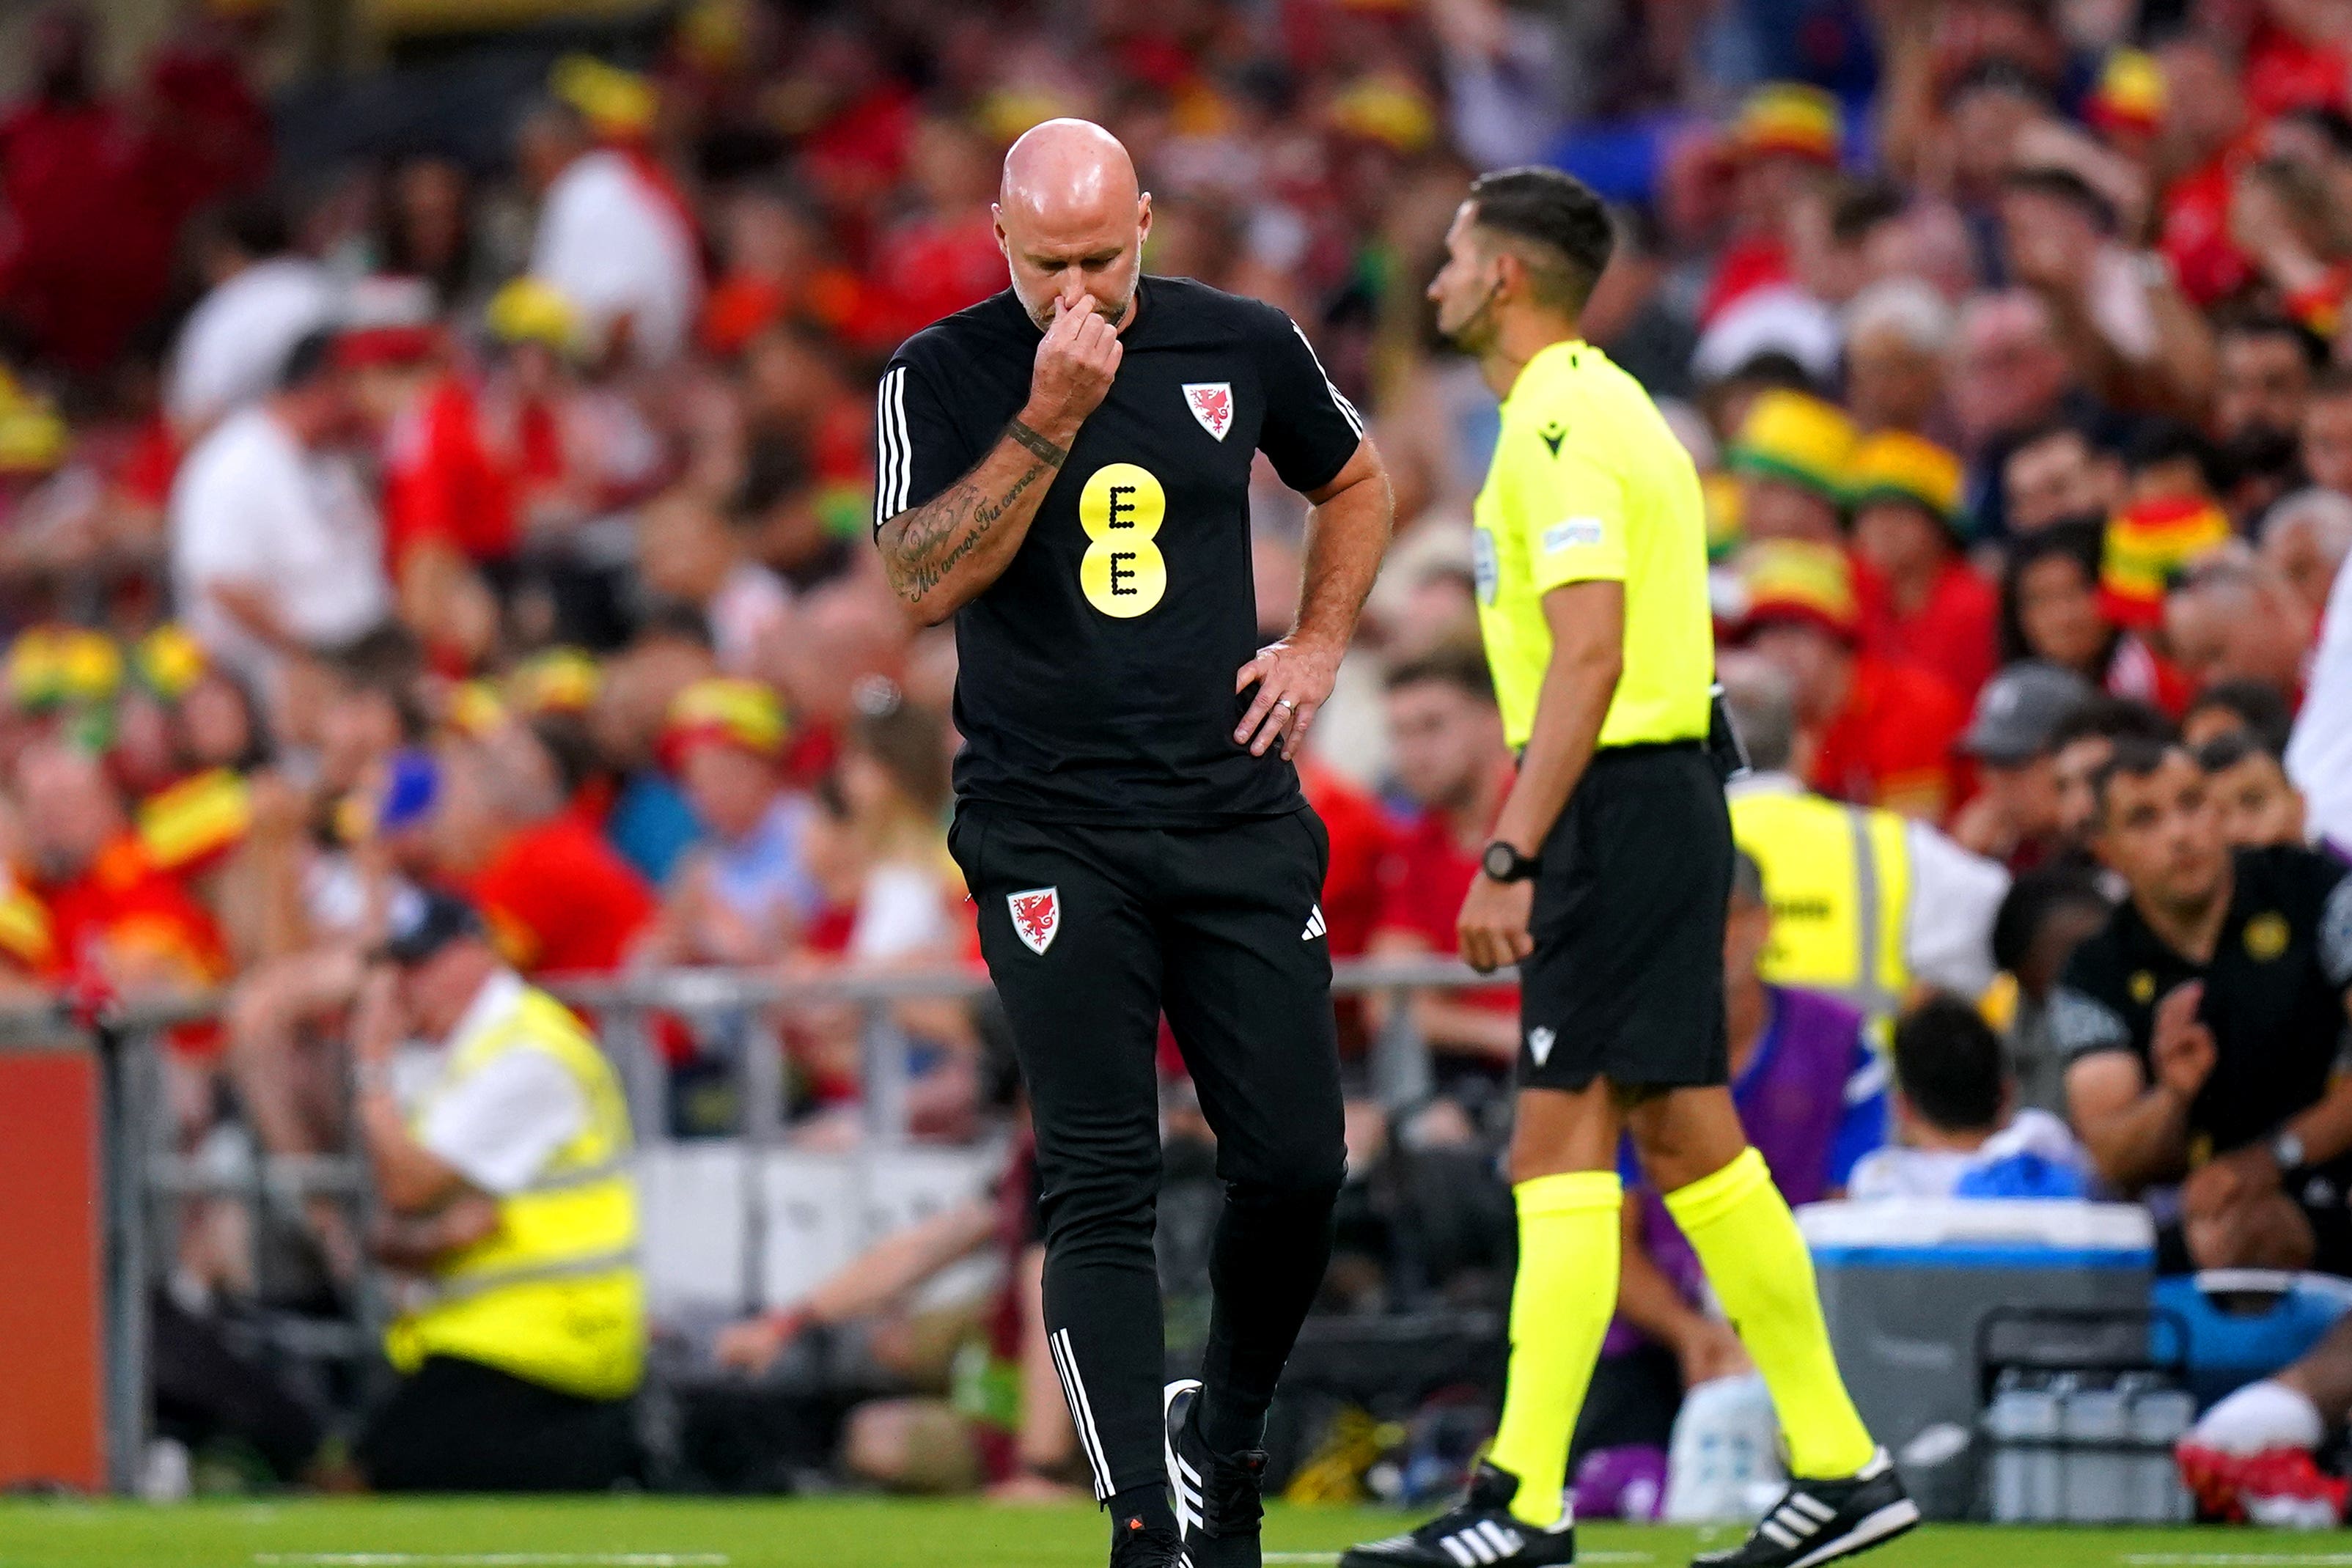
x,y
500,528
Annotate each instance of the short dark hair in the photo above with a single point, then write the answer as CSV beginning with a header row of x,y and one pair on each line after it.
x,y
569,745
1557,212
2262,709
2226,750
2134,757
1951,1066
1861,206
2081,540
312,357
1455,664
2065,185
2161,441
2112,718
2032,900
2270,324
387,663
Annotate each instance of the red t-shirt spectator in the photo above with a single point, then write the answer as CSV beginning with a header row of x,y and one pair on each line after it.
x,y
560,900
441,481
1954,634
1424,876
1891,745
94,222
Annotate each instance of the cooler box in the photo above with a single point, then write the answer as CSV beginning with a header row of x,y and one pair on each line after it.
x,y
1907,1283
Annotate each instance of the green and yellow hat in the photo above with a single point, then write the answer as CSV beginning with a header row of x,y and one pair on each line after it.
x,y
1896,465
49,666
169,661
1796,579
1796,436
560,680
1790,120
741,713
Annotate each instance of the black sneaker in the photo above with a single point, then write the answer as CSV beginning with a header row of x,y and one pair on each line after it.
x,y
1218,1507
1820,1521
1479,1532
1135,1544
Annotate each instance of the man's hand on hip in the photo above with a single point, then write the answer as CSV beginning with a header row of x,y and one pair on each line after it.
x,y
1294,679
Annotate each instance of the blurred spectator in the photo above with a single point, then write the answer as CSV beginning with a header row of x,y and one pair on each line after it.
x,y
1811,1097
2017,817
261,299
689,551
1872,731
2201,1025
1925,605
1452,771
1011,1437
1898,335
2254,709
2051,609
741,896
1865,905
2327,431
1790,454
2305,538
2233,620
274,550
2081,744
1958,1129
2047,914
2054,473
2265,366
500,1159
615,236
2260,805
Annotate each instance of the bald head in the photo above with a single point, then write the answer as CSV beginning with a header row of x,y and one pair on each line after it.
x,y
1071,220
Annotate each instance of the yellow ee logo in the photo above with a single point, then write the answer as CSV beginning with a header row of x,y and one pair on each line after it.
x,y
1121,509
2266,937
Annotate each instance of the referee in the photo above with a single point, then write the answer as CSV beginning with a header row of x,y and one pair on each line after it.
x,y
1606,883
1065,469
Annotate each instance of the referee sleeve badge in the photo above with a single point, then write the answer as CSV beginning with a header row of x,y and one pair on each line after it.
x,y
1036,917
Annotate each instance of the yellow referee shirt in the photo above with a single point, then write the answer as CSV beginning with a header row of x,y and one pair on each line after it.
x,y
1587,483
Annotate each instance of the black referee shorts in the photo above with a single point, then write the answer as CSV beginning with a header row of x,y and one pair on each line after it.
x,y
1626,979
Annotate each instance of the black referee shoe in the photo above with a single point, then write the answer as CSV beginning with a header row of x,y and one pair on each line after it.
x,y
1218,1507
1820,1521
1478,1532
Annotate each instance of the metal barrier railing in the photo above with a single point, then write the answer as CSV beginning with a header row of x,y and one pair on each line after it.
x,y
146,1180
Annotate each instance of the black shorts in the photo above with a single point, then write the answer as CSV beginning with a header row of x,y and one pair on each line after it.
x,y
458,1426
1626,979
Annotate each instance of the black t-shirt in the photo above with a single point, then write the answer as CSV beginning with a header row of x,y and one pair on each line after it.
x,y
1095,681
2273,994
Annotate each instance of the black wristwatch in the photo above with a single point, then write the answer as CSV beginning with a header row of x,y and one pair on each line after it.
x,y
1504,862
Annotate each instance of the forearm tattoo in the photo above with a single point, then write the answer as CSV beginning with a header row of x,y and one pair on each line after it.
x,y
1037,444
934,536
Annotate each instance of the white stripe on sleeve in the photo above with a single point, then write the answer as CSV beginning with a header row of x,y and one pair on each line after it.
x,y
1347,410
886,455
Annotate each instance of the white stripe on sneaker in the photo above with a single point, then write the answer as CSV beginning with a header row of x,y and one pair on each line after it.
x,y
1504,1541
1808,1503
1459,1552
1778,1534
1082,1415
1892,1520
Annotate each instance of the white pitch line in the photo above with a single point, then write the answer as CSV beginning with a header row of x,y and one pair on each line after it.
x,y
2238,1559
1581,1557
492,1559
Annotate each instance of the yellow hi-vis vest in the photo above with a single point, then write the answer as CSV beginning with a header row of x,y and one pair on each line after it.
x,y
1838,879
553,1295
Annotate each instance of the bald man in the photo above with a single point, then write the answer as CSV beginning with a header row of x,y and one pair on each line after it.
x,y
1064,470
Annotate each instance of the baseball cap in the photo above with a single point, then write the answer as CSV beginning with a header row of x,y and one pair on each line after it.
x,y
420,922
2020,709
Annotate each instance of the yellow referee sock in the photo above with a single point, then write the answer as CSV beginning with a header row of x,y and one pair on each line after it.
x,y
1561,1302
1747,1241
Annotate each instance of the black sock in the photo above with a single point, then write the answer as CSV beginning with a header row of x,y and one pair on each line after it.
x,y
1266,1267
1146,1506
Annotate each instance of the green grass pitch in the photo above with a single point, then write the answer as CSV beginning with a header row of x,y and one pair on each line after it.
x,y
684,1532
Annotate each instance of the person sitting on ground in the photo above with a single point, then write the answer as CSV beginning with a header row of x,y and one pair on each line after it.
x,y
2048,912
2253,1456
1959,1132
1016,1441
2260,804
499,1164
2203,1026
